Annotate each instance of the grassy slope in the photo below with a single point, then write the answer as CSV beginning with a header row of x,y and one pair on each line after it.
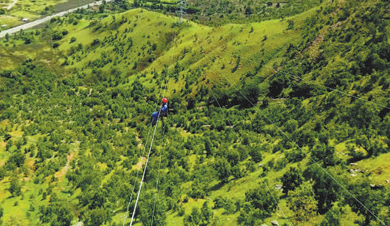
x,y
207,48
207,45
221,46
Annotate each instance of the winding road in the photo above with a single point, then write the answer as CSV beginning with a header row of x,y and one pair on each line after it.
x,y
46,19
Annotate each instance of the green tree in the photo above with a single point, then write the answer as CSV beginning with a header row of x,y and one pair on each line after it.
x,y
223,168
28,39
208,147
207,213
259,204
17,158
291,180
290,25
263,199
95,217
237,172
233,157
62,212
57,35
248,10
247,96
98,200
3,173
332,217
9,145
137,91
196,216
15,187
72,39
366,201
325,154
302,202
255,153
101,8
197,189
325,188
229,206
291,125
7,136
153,210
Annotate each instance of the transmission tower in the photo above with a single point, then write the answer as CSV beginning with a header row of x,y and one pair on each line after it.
x,y
182,3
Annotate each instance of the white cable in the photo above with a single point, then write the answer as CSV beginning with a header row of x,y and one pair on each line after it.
x,y
143,176
269,190
151,145
135,181
165,90
330,88
353,196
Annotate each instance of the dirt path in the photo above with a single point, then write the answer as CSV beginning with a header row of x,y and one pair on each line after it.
x,y
60,174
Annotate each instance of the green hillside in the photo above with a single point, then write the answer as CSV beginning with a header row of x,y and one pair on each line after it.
x,y
284,119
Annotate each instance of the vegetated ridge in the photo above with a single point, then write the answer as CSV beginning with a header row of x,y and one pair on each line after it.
x,y
255,107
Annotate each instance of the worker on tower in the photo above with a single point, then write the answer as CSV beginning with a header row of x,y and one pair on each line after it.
x,y
163,110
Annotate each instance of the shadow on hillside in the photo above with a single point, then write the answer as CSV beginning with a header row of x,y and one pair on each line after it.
x,y
217,186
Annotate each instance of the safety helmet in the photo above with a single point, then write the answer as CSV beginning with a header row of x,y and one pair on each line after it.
x,y
164,100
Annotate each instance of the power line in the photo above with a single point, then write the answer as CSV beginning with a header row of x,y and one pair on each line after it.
x,y
329,174
135,181
337,90
269,190
159,115
165,90
143,175
157,181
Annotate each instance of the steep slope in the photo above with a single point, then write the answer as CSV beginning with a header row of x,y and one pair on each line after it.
x,y
75,119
